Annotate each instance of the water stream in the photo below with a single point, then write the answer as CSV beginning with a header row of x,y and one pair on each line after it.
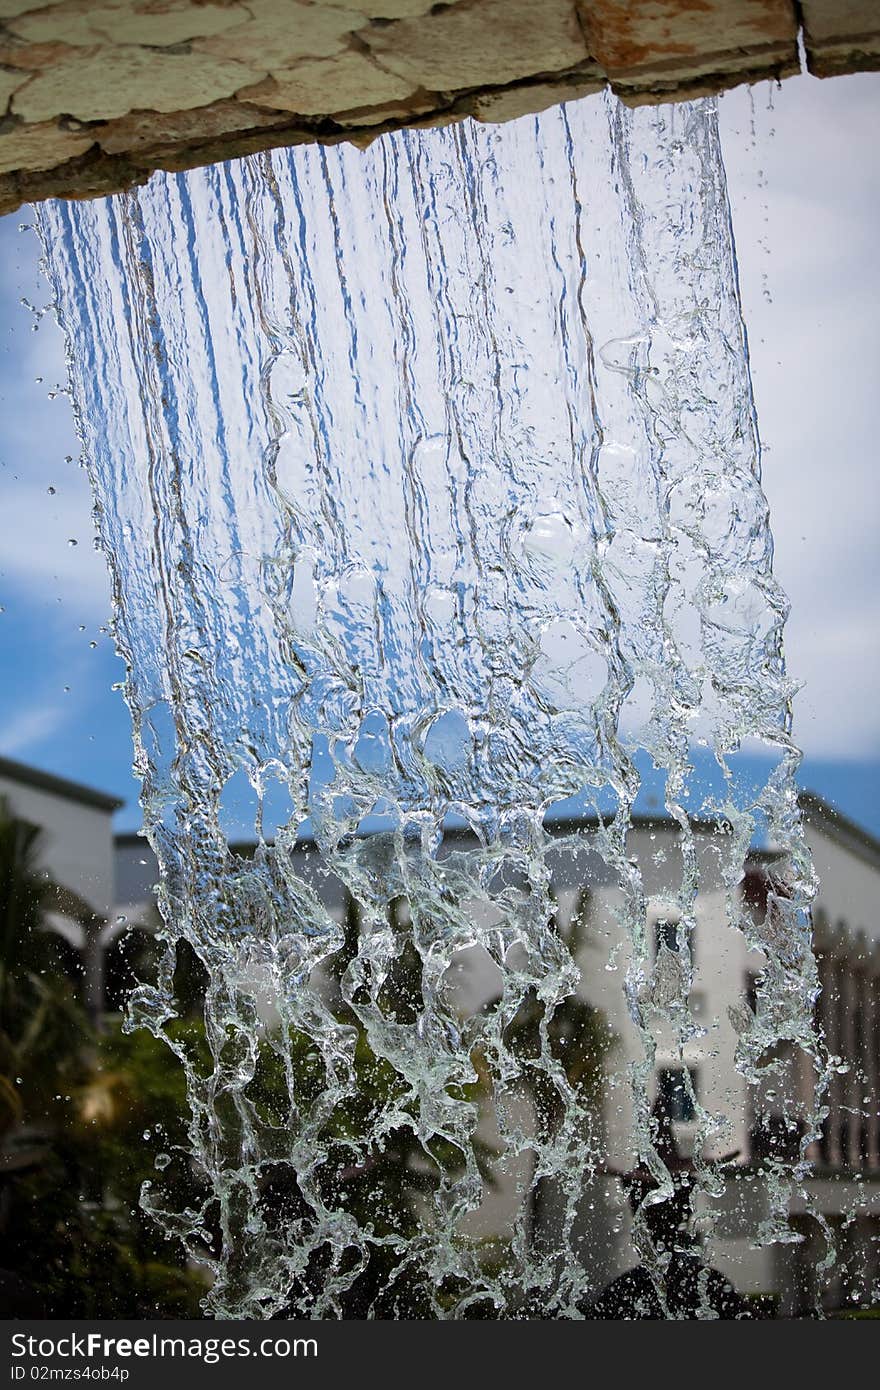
x,y
429,482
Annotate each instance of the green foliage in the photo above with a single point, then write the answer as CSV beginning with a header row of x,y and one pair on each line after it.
x,y
42,1025
85,1117
73,1109
75,1230
24,891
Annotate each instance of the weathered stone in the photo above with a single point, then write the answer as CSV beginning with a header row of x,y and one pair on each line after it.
x,y
481,45
9,83
35,57
10,8
132,134
394,9
157,22
493,107
89,175
375,120
107,83
721,76
841,36
32,147
177,158
669,39
176,83
329,86
278,34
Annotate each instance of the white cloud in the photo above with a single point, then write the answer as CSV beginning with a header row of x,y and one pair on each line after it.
x,y
814,351
30,727
38,563
39,451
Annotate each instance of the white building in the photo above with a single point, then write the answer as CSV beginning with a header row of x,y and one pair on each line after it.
x,y
77,822
846,1183
78,854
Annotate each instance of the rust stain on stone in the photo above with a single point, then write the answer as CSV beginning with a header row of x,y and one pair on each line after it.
x,y
628,37
36,57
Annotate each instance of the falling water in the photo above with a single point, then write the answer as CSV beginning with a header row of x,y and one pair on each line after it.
x,y
428,479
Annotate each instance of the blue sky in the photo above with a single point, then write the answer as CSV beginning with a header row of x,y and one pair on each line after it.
x,y
805,190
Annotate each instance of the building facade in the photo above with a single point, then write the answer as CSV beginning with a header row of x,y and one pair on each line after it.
x,y
844,1190
117,878
78,854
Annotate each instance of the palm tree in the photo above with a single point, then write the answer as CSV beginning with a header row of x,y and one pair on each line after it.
x,y
41,1019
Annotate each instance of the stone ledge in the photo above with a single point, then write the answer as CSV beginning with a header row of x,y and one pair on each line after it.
x,y
96,94
841,36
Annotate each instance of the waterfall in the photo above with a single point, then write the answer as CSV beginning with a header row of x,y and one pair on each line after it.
x,y
429,482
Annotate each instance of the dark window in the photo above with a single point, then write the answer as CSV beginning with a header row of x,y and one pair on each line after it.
x,y
668,932
825,1142
666,935
754,891
864,1144
844,1140
674,1095
859,1056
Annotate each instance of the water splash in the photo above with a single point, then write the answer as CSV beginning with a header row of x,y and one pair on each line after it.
x,y
429,483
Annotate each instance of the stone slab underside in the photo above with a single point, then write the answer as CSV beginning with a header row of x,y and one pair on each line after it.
x,y
96,94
